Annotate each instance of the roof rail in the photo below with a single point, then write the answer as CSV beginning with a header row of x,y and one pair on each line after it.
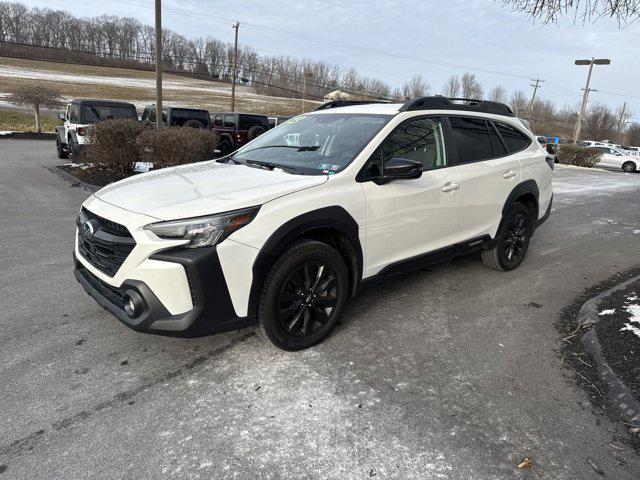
x,y
346,103
439,102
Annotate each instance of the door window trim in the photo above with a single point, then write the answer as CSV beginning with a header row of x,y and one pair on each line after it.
x,y
360,177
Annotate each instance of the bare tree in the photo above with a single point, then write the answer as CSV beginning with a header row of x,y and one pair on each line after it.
x,y
632,135
625,11
452,87
470,87
498,94
415,87
38,98
600,123
518,102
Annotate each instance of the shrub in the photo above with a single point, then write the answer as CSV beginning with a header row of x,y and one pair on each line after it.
x,y
114,144
578,156
177,146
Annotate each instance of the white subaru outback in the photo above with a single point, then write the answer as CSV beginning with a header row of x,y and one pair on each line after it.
x,y
282,232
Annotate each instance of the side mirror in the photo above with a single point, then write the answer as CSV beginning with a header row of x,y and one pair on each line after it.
x,y
399,169
61,116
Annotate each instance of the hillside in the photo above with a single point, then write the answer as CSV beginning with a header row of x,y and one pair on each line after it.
x,y
136,86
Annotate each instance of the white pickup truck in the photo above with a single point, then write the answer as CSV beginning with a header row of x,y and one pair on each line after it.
x,y
78,117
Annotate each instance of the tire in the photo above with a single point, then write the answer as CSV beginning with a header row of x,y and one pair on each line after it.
x,y
303,296
254,132
512,241
629,167
225,147
61,150
192,124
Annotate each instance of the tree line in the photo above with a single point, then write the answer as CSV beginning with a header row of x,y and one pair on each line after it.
x,y
123,41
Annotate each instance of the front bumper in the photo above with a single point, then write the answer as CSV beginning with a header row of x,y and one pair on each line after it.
x,y
212,310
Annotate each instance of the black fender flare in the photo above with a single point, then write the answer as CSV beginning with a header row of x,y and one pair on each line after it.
x,y
226,136
60,134
528,186
73,136
334,217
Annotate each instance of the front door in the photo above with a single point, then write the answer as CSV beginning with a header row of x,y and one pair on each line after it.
x,y
408,218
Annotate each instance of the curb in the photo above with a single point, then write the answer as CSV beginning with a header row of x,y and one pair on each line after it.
x,y
625,402
74,181
562,166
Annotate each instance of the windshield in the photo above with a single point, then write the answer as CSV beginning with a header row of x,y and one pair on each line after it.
x,y
316,144
98,113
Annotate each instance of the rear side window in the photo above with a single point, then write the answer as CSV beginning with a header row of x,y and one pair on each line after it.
x,y
245,122
471,139
229,121
513,138
179,116
496,144
217,120
98,113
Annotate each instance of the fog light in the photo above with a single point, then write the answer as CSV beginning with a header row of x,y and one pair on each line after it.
x,y
133,304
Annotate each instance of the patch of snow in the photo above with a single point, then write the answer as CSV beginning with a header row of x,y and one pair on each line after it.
x,y
608,312
142,166
5,132
636,231
634,310
633,297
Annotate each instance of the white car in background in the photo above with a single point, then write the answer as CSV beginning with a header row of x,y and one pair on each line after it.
x,y
615,158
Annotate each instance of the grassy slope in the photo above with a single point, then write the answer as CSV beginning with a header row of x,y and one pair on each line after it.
x,y
211,100
25,122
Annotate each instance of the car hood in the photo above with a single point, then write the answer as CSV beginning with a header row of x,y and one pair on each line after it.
x,y
202,189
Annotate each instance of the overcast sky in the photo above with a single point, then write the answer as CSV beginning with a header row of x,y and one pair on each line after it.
x,y
393,40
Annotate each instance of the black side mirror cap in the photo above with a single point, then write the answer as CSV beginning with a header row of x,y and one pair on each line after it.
x,y
399,169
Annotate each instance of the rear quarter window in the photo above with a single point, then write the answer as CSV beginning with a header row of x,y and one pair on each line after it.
x,y
513,138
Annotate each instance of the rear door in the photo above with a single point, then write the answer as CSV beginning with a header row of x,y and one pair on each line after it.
x,y
489,171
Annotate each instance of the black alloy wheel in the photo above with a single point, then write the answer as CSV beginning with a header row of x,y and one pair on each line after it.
x,y
303,295
516,239
307,299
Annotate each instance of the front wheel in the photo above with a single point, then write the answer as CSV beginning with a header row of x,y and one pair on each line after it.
x,y
628,167
61,149
512,241
303,296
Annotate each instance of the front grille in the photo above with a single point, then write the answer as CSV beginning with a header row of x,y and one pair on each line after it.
x,y
112,294
108,247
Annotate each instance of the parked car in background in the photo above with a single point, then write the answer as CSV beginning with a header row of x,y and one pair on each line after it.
x,y
550,144
79,115
236,129
615,158
275,121
178,117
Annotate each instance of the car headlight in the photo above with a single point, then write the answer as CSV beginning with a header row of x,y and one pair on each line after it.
x,y
204,231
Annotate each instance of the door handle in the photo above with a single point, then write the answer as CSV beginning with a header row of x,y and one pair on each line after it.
x,y
450,186
510,174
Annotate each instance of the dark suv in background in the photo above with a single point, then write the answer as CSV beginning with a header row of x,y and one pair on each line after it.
x,y
236,129
178,117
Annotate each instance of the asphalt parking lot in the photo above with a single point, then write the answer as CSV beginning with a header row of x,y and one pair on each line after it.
x,y
447,373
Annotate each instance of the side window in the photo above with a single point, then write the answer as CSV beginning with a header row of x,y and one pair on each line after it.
x,y
514,139
496,144
217,120
420,140
229,121
471,138
74,114
145,115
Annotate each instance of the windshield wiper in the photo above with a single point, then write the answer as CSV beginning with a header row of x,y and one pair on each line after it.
x,y
270,165
308,148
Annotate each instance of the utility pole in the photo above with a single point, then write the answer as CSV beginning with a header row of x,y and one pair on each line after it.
x,y
234,73
585,96
623,122
304,89
535,90
158,65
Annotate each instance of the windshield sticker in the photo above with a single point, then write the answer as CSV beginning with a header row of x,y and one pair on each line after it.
x,y
326,166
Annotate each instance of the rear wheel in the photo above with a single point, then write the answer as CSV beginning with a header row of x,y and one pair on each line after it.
x,y
62,150
303,296
629,167
512,241
225,147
